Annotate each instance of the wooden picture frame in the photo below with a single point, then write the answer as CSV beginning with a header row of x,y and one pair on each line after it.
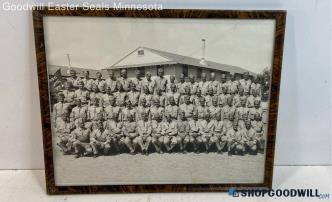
x,y
52,188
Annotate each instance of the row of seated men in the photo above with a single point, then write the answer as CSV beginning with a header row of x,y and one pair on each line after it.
x,y
89,128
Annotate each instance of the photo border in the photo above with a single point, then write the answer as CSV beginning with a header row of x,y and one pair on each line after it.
x,y
278,15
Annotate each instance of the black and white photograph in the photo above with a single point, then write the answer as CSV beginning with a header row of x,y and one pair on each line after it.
x,y
158,101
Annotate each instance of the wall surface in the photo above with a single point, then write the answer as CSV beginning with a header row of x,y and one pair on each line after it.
x,y
304,126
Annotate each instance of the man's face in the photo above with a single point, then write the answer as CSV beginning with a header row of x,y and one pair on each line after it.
x,y
160,72
111,74
80,86
73,74
124,73
248,125
213,77
112,102
156,103
148,76
61,98
78,103
98,75
187,100
143,102
204,77
172,79
215,102
171,101
192,79
86,74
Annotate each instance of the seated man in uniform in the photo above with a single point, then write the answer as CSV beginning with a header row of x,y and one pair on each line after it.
x,y
183,132
251,140
129,130
62,132
144,130
120,95
157,136
258,126
100,140
201,109
194,133
206,132
172,82
80,139
219,134
236,141
156,109
169,131
147,96
116,134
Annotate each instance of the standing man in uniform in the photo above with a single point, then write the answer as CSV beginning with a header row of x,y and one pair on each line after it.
x,y
161,81
59,109
215,85
192,84
73,79
187,108
137,81
87,81
81,93
148,83
133,95
124,81
173,93
157,110
111,81
171,82
146,95
142,108
182,84
77,111
203,85
172,110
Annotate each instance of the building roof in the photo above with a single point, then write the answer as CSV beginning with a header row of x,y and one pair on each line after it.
x,y
159,57
51,69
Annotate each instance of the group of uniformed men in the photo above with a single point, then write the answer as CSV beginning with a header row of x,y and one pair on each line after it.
x,y
94,116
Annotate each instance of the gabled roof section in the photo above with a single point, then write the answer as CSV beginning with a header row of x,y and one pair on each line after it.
x,y
139,57
159,57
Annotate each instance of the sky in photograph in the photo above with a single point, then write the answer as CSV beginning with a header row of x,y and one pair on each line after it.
x,y
98,43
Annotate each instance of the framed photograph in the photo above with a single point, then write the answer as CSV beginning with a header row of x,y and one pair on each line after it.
x,y
158,100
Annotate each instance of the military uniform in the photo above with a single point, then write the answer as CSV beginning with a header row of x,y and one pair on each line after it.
x,y
161,98
157,112
87,83
206,131
215,85
142,109
62,132
69,96
228,114
204,87
169,131
120,98
128,112
157,136
111,83
149,84
194,133
161,83
125,82
193,87
137,82
130,133
236,142
133,97
187,109
106,99
144,130
172,111
77,112
222,98
183,133
219,135
214,111
116,134
202,111
241,115
111,111
251,139
81,141
181,87
74,81
93,111
58,110
81,94
100,140
176,97
101,84
168,87
148,99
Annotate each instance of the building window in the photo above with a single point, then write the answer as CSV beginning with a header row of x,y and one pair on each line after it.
x,y
140,52
185,70
199,73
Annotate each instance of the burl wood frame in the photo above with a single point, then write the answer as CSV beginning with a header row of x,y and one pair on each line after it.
x,y
52,188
